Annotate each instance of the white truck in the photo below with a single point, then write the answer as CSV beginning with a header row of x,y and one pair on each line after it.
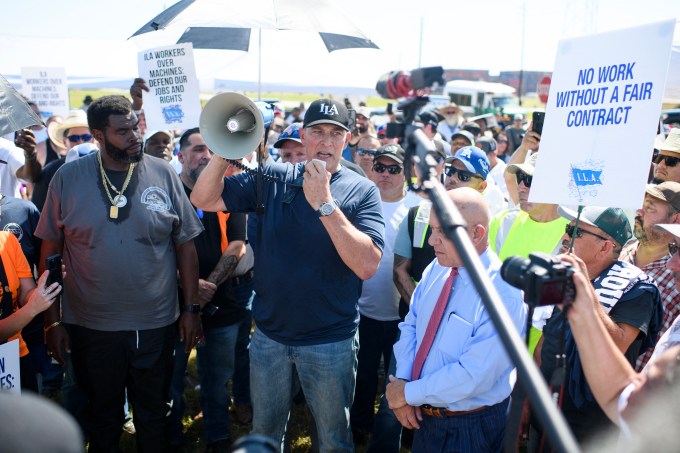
x,y
479,97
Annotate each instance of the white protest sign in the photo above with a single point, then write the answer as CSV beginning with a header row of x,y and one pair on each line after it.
x,y
10,377
47,87
601,118
173,102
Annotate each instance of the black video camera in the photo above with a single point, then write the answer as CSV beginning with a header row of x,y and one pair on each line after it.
x,y
545,279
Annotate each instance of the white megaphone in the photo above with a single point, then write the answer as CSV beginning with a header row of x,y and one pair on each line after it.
x,y
233,126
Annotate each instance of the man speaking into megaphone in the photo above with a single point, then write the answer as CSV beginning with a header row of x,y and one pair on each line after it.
x,y
307,286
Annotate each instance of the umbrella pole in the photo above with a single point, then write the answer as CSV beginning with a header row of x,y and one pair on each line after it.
x,y
259,63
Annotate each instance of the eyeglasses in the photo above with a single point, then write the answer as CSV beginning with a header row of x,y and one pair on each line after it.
x,y
381,136
569,229
673,248
75,137
391,169
670,161
363,152
452,112
523,177
462,175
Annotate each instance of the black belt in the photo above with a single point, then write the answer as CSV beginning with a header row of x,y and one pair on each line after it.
x,y
235,281
442,412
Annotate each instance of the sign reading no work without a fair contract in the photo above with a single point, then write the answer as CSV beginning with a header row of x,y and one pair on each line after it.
x,y
173,101
48,88
601,117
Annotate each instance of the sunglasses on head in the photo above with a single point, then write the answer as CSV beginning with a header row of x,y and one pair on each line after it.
x,y
462,175
76,137
673,248
391,169
569,229
437,158
670,161
363,152
523,177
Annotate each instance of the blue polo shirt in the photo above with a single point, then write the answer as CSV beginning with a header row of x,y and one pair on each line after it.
x,y
305,293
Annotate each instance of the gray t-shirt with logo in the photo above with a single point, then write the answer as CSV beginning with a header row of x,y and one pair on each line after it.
x,y
122,272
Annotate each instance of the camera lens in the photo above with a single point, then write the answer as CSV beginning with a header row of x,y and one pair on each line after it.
x,y
513,270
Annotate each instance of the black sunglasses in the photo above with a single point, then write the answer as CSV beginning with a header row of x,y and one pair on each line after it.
x,y
75,137
673,248
363,152
462,175
670,161
569,229
523,177
391,169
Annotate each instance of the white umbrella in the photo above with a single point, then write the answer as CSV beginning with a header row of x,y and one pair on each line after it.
x,y
227,24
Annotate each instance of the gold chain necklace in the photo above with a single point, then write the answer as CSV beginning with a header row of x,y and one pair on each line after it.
x,y
119,200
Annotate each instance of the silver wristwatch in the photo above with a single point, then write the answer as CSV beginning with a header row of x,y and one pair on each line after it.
x,y
327,208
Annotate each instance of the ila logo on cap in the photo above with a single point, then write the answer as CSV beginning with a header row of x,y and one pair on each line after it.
x,y
328,109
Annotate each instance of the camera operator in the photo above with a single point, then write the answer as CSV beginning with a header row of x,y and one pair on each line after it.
x,y
629,308
643,404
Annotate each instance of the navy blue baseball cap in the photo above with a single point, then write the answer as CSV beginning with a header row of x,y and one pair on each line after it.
x,y
474,159
292,132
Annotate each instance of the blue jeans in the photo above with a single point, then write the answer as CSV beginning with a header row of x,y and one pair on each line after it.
x,y
386,437
327,373
240,385
215,367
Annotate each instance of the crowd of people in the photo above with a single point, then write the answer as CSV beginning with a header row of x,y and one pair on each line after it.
x,y
329,281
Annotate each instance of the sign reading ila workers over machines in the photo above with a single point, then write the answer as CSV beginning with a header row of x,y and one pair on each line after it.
x,y
48,88
601,118
173,101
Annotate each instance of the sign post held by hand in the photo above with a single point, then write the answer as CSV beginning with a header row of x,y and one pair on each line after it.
x,y
601,118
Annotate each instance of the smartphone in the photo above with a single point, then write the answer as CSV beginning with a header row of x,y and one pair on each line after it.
x,y
389,110
53,265
537,120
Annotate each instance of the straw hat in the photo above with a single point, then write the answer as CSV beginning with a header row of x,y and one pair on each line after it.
x,y
451,105
672,142
75,118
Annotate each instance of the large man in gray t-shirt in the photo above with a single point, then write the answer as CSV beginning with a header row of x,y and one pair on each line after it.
x,y
125,227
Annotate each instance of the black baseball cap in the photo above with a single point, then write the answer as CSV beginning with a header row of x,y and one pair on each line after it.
x,y
394,152
329,111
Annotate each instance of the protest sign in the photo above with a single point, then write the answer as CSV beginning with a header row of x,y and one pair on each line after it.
x,y
173,102
10,377
601,117
47,87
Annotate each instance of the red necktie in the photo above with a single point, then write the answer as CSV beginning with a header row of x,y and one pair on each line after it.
x,y
433,325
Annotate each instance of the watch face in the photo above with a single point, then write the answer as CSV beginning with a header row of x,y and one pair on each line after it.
x,y
327,208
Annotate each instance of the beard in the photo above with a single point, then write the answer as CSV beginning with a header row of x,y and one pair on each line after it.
x,y
452,121
121,155
656,180
193,174
639,230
